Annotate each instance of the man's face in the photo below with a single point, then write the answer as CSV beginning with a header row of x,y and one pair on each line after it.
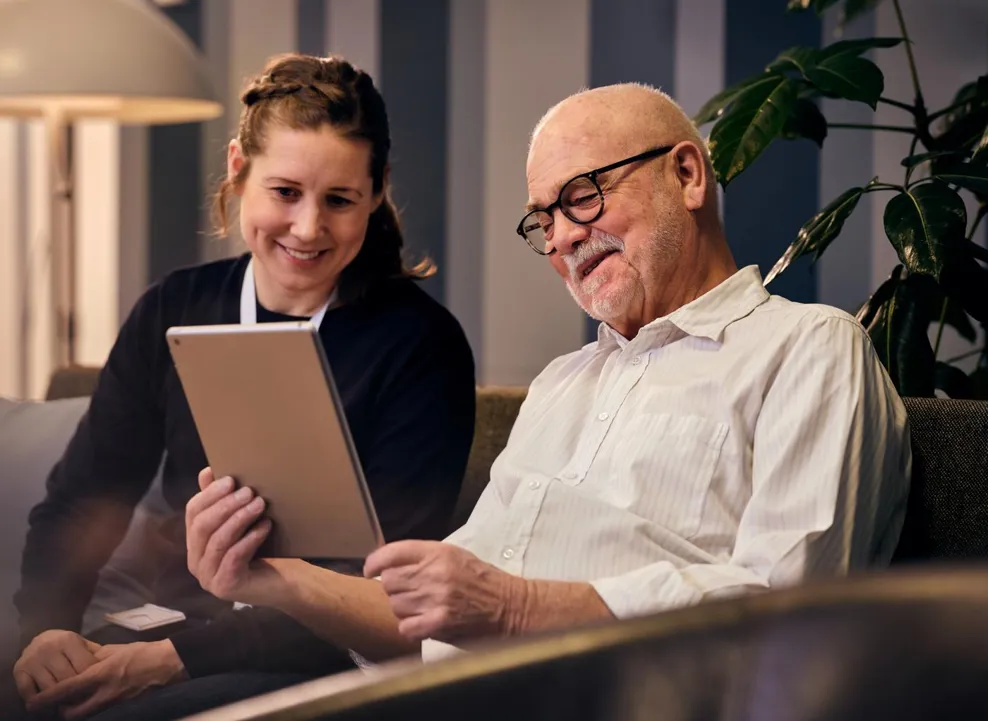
x,y
616,264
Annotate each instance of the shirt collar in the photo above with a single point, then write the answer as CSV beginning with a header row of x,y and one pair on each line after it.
x,y
710,314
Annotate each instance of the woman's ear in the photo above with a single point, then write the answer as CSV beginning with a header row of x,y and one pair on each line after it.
x,y
235,162
691,169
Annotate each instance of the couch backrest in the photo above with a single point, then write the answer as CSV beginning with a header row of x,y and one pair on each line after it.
x,y
947,516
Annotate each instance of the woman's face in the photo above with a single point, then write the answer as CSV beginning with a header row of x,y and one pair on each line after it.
x,y
304,209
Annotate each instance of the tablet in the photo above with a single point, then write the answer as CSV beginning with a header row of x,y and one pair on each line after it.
x,y
269,415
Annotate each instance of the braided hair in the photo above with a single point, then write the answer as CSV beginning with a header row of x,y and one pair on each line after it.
x,y
303,92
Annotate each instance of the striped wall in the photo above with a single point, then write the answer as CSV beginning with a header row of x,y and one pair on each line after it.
x,y
465,81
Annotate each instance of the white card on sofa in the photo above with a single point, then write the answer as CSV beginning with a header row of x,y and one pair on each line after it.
x,y
144,617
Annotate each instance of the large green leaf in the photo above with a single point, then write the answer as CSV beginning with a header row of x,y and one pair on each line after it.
x,y
871,307
716,105
849,77
966,175
898,330
797,58
856,47
921,222
952,381
755,119
819,231
966,278
806,121
963,128
913,160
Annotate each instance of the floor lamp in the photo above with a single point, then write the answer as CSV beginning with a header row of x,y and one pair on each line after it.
x,y
63,60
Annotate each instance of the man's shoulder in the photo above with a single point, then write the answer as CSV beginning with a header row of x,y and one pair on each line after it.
x,y
801,319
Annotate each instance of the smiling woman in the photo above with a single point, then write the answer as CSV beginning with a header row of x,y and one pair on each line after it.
x,y
309,167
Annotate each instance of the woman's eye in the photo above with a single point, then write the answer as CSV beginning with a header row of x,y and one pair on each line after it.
x,y
338,201
286,193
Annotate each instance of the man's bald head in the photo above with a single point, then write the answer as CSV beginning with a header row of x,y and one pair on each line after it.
x,y
633,114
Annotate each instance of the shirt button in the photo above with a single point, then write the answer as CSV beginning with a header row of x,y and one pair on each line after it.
x,y
603,417
534,485
508,553
636,360
570,474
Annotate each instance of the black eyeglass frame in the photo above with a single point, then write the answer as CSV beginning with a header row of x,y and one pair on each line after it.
x,y
592,177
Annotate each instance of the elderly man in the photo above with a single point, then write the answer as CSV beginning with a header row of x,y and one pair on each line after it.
x,y
714,440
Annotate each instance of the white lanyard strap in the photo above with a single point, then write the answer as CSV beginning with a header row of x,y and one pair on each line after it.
x,y
248,300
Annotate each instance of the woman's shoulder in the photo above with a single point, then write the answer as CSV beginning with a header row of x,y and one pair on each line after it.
x,y
406,305
210,278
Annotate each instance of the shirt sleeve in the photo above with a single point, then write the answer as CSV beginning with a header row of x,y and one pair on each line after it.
x,y
91,492
830,469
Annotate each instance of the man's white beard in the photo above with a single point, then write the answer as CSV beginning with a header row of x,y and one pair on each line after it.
x,y
663,251
585,293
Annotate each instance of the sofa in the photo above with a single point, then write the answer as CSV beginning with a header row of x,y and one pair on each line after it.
x,y
947,517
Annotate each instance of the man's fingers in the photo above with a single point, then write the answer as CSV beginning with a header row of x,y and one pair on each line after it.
x,y
399,553
231,532
422,626
399,580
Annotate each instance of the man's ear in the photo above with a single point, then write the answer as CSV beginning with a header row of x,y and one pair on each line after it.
x,y
235,162
691,170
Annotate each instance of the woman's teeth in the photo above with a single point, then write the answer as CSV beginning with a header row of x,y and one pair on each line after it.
x,y
300,255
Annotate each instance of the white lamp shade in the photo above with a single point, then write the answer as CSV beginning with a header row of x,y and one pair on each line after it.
x,y
119,59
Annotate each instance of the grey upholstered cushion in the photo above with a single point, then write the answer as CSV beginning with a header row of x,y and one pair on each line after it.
x,y
32,438
947,518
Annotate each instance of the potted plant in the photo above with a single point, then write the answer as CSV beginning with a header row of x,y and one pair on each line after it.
x,y
940,279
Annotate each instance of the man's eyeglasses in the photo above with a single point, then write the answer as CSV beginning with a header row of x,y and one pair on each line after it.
x,y
580,199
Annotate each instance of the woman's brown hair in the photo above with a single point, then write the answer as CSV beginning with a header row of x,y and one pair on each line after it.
x,y
304,93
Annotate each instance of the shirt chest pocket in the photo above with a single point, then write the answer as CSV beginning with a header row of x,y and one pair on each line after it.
x,y
663,468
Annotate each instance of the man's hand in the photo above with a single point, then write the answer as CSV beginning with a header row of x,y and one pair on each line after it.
x,y
51,657
443,592
121,671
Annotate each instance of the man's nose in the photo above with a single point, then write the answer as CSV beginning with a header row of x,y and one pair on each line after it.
x,y
567,235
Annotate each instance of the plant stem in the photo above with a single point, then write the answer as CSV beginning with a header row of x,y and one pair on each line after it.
x,y
898,104
912,151
909,54
962,356
943,316
863,126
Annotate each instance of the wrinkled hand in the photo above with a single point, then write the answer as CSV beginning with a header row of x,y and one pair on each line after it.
x,y
443,592
121,671
222,535
51,657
